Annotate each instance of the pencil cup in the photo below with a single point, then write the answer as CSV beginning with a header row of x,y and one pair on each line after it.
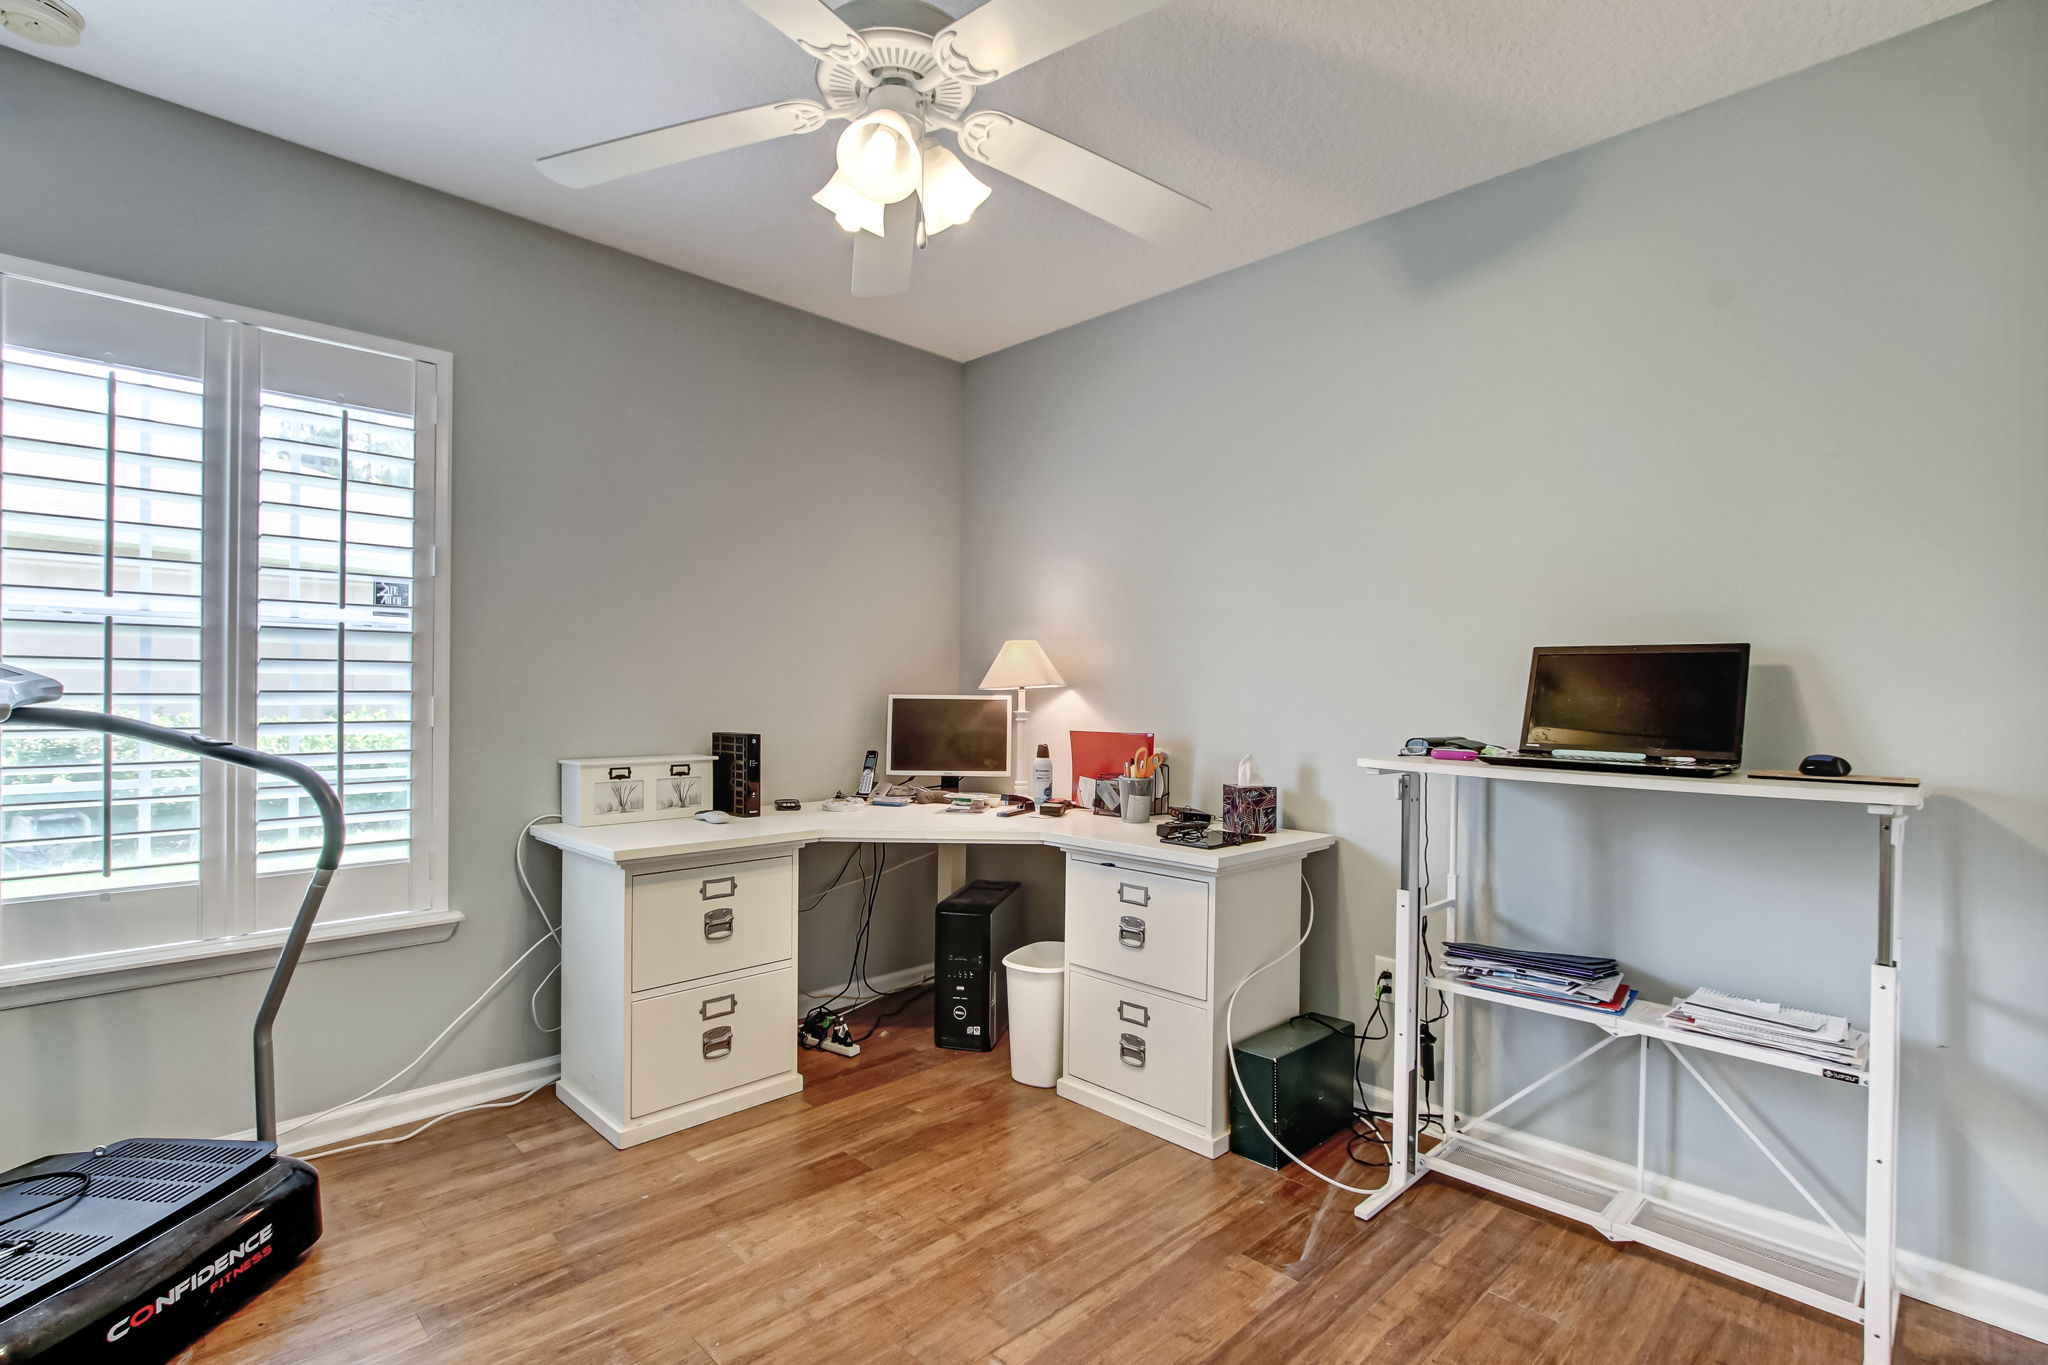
x,y
1136,796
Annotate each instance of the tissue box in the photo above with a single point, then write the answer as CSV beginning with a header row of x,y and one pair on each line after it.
x,y
617,791
1251,810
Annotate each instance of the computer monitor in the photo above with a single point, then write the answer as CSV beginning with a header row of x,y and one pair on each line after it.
x,y
950,737
1667,701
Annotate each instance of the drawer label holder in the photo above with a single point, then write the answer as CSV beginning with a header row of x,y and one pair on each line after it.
x,y
704,891
1124,890
1130,1013
731,1003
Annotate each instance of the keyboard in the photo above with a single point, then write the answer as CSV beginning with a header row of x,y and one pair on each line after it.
x,y
1648,767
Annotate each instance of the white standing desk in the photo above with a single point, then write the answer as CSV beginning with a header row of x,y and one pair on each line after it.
x,y
679,971
1858,1281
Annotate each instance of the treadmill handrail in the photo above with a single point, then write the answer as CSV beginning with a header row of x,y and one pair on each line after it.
x,y
333,834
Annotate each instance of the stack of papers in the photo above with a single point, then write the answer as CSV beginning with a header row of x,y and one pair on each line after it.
x,y
1592,983
1824,1037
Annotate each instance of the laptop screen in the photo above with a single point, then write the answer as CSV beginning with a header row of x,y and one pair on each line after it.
x,y
1668,701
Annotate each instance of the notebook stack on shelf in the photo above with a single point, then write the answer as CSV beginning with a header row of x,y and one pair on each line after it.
x,y
1823,1037
1589,983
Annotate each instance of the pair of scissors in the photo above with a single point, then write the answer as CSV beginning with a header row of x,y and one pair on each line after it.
x,y
1144,763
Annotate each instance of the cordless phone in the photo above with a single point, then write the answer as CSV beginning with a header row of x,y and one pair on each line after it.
x,y
867,776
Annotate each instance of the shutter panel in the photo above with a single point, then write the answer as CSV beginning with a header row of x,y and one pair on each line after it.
x,y
337,545
102,515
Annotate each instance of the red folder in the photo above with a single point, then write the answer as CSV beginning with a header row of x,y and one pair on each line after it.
x,y
1103,753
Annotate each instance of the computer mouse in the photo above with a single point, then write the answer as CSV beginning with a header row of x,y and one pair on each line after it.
x,y
714,817
1824,765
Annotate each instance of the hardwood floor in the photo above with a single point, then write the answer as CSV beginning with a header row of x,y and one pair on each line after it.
x,y
916,1207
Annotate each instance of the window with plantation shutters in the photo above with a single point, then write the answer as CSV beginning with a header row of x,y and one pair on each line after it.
x,y
226,525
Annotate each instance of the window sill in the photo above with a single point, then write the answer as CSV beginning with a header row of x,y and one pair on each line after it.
x,y
42,983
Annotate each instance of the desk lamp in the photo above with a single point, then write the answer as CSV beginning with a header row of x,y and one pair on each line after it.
x,y
1021,664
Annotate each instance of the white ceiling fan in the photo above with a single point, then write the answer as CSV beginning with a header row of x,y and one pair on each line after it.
x,y
899,71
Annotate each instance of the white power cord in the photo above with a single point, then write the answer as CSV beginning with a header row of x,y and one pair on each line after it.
x,y
466,1109
553,935
554,929
440,1037
1231,1054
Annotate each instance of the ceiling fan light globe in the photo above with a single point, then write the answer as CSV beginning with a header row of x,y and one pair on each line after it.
x,y
950,191
878,155
854,210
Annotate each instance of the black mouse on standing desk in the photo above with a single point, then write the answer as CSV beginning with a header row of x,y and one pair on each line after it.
x,y
1824,765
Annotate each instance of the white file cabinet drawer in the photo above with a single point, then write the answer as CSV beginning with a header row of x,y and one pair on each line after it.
x,y
1144,926
692,1043
1139,1044
694,924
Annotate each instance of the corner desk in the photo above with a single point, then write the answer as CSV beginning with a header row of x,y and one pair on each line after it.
x,y
679,960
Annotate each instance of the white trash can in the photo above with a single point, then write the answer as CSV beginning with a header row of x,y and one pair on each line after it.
x,y
1038,1009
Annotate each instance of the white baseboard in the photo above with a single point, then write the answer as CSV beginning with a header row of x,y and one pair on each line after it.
x,y
411,1106
2011,1307
885,983
2015,1308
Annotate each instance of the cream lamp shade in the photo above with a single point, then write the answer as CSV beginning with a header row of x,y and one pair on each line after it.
x,y
1020,664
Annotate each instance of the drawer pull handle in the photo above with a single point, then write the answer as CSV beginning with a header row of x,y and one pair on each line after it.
x,y
1131,1050
1141,1015
1123,890
1130,931
704,891
731,1003
717,1043
718,923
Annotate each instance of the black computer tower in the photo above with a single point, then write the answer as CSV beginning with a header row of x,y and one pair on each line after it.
x,y
736,778
1300,1076
974,929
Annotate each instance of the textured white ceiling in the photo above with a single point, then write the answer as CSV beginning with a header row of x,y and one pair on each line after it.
x,y
1293,118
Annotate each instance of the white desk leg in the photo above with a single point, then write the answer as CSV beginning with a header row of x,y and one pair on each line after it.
x,y
1881,1184
952,860
1450,1033
1402,1158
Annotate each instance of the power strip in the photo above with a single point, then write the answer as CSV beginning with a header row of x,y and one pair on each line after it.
x,y
827,1032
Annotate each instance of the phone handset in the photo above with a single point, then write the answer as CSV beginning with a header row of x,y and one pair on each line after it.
x,y
867,776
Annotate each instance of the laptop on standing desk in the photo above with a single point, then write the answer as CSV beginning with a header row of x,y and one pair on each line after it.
x,y
1674,710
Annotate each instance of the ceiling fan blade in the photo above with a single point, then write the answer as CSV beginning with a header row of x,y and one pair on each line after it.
x,y
1004,35
822,34
1092,183
881,265
622,156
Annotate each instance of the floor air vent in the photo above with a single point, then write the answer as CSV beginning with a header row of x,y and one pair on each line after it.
x,y
1731,1245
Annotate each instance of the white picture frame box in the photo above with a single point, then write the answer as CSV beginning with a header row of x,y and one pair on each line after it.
x,y
619,791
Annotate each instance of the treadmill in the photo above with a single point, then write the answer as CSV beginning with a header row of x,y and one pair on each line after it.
x,y
133,1251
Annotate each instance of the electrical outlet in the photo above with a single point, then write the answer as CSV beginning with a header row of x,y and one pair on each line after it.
x,y
1382,964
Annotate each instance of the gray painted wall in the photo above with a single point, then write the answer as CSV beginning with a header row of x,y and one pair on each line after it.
x,y
657,484
1769,371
